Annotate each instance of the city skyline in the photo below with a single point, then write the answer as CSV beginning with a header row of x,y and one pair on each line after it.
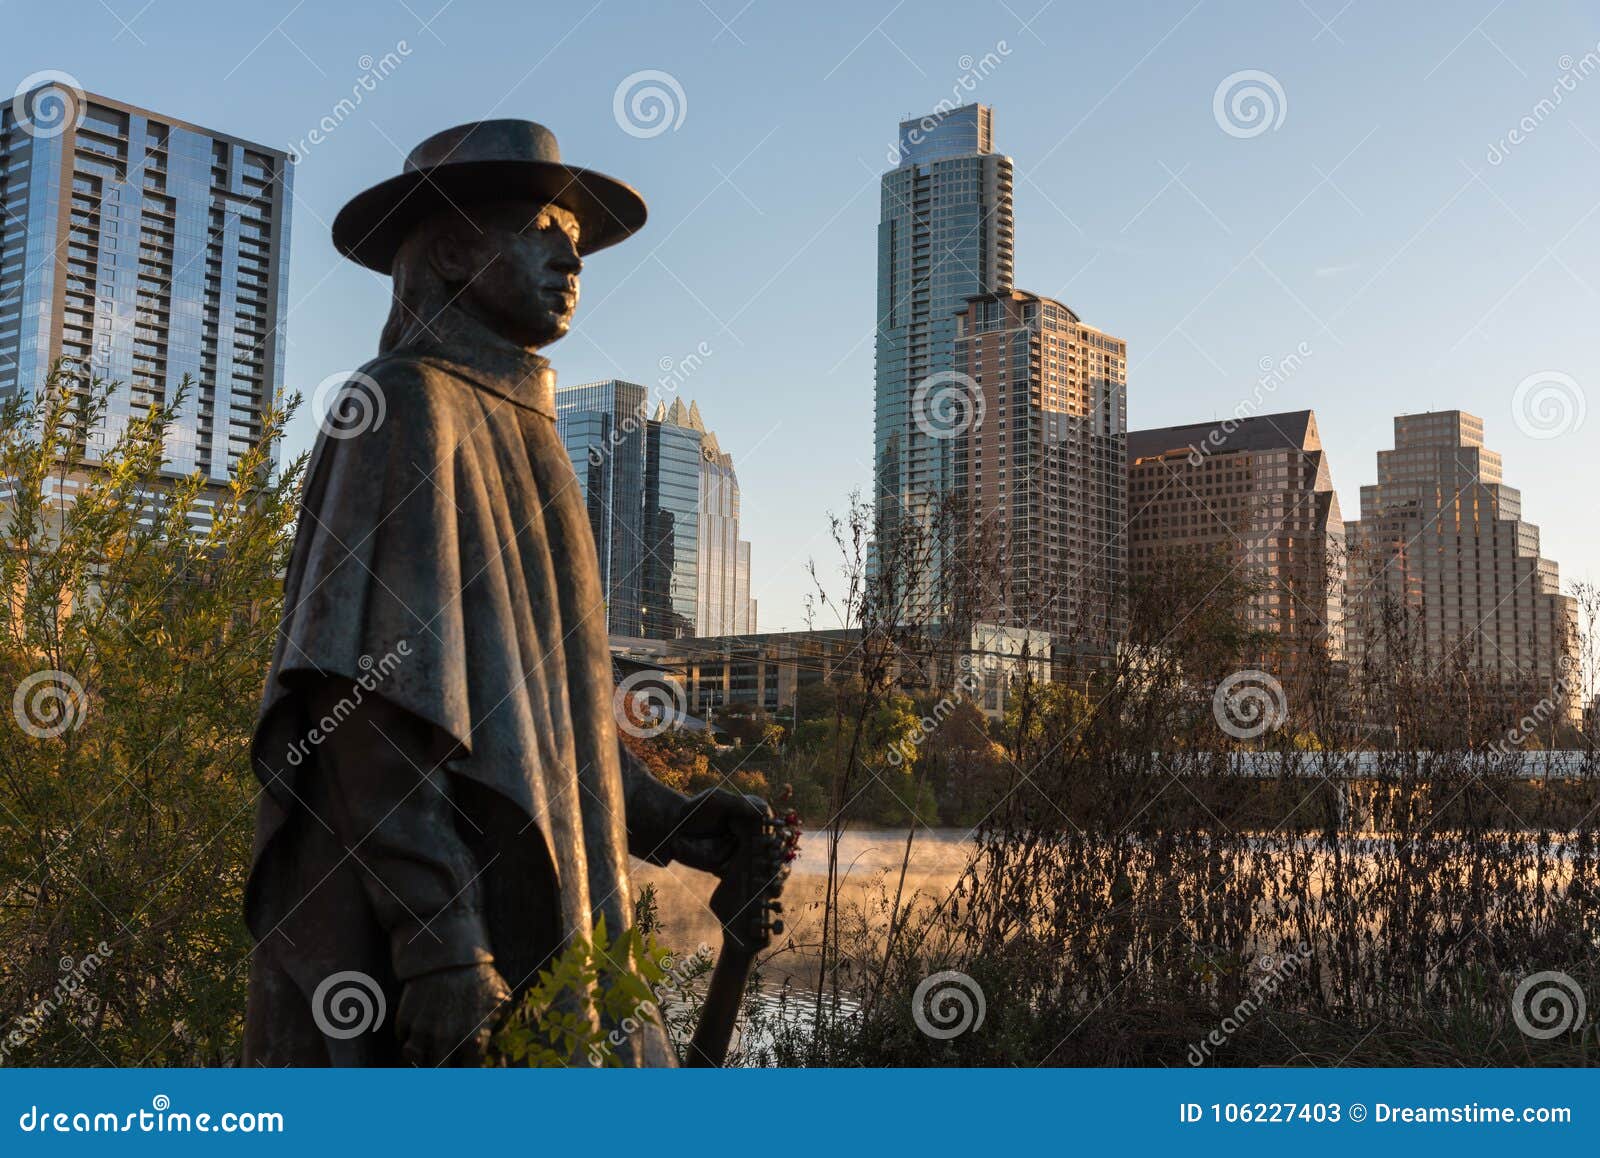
x,y
1425,258
1154,438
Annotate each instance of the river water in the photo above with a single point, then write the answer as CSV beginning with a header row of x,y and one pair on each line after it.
x,y
869,866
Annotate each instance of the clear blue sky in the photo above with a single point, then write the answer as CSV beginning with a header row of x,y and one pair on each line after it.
x,y
1369,224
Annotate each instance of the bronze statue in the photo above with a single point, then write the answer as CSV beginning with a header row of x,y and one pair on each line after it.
x,y
446,802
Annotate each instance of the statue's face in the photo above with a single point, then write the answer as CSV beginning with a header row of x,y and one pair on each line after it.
x,y
518,273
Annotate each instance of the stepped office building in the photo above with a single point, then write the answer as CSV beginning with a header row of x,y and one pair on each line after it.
x,y
945,234
146,249
724,606
1442,537
1043,467
1261,495
663,503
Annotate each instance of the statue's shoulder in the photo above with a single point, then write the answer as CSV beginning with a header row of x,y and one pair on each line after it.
x,y
417,380
405,368
404,384
396,404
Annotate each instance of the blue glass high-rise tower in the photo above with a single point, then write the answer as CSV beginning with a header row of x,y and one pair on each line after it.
x,y
604,426
945,234
673,458
144,249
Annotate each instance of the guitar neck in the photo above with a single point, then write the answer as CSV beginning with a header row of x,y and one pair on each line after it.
x,y
746,902
720,1012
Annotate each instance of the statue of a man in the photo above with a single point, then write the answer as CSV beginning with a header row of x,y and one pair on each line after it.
x,y
446,804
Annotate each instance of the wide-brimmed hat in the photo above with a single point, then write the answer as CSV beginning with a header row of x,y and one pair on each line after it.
x,y
503,160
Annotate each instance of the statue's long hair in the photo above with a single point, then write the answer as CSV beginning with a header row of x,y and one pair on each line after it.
x,y
420,294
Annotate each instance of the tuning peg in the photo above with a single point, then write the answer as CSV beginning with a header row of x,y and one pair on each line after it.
x,y
777,928
775,906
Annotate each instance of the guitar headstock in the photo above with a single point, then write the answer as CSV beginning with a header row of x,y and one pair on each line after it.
x,y
747,899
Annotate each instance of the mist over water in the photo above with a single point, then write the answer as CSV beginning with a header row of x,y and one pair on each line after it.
x,y
869,865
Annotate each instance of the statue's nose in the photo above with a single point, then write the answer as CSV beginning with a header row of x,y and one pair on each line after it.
x,y
566,259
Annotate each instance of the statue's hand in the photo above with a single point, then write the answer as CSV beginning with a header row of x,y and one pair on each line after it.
x,y
448,1017
705,836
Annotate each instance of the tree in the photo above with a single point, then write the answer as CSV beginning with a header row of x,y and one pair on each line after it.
x,y
1041,710
750,727
136,631
963,767
682,759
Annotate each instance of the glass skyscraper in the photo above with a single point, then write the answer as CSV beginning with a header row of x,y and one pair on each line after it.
x,y
945,234
603,425
144,249
663,502
672,529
